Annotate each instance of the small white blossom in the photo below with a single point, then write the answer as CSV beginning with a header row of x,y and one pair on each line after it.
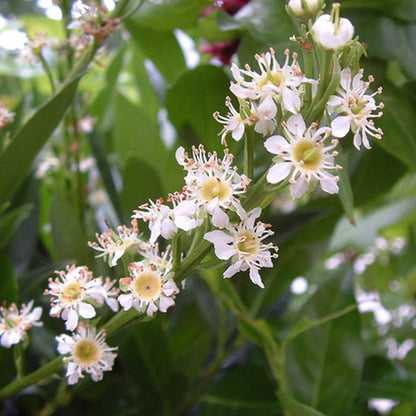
x,y
14,323
75,293
273,85
6,116
304,9
354,109
165,221
243,244
87,352
303,157
212,182
332,34
113,245
150,286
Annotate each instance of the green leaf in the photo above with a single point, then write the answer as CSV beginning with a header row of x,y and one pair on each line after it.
x,y
399,126
137,186
368,226
172,14
387,39
345,190
70,241
294,408
18,156
161,47
10,221
401,9
243,391
8,283
194,98
34,24
325,361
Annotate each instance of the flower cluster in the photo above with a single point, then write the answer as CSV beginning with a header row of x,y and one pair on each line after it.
x,y
75,294
14,324
6,116
86,351
277,101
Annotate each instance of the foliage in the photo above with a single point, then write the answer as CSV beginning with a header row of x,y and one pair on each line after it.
x,y
227,347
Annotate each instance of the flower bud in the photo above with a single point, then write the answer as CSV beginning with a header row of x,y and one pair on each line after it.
x,y
331,31
304,9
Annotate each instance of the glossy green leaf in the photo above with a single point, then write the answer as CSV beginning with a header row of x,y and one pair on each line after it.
x,y
161,47
18,156
140,183
345,190
294,408
399,126
194,98
243,391
387,39
9,222
171,15
69,238
8,283
368,226
325,361
401,9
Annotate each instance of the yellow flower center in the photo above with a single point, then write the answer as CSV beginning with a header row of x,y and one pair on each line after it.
x,y
308,154
215,188
148,285
249,244
72,291
274,78
87,352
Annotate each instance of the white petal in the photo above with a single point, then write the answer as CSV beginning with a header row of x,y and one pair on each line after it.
x,y
233,269
255,277
276,144
165,303
278,172
329,184
86,310
298,188
126,301
267,109
219,218
168,229
296,125
341,126
72,320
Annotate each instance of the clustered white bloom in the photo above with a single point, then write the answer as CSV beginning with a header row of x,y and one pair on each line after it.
x,y
75,293
113,245
353,109
150,286
243,244
14,323
86,351
6,116
303,156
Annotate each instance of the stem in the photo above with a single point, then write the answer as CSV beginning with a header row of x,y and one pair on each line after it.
x,y
249,153
19,384
19,359
48,73
122,319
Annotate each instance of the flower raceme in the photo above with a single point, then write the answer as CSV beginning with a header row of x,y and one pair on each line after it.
x,y
243,244
14,323
86,351
303,157
75,293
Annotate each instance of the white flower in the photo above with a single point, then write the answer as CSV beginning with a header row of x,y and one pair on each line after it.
x,y
243,244
14,323
304,9
303,157
87,352
165,221
273,85
113,245
212,182
74,294
6,116
332,34
150,286
354,109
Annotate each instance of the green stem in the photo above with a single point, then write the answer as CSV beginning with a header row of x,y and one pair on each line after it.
x,y
249,144
19,384
19,359
122,319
